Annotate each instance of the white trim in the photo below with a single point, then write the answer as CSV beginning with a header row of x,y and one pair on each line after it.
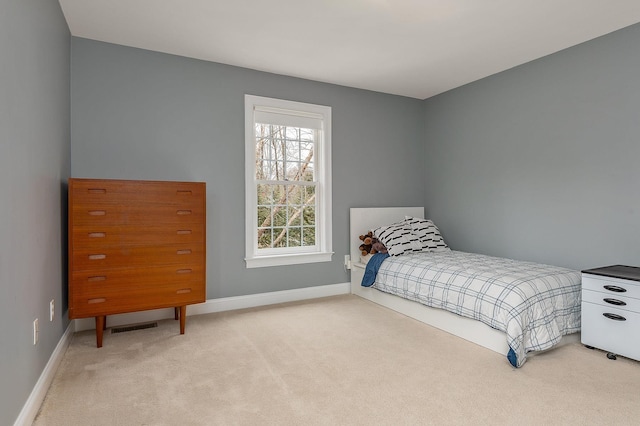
x,y
323,250
266,115
32,406
272,298
287,259
221,305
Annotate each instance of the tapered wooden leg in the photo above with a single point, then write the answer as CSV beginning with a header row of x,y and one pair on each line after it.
x,y
183,317
176,313
99,330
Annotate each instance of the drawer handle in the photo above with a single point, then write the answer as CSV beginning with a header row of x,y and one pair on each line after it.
x,y
615,288
186,251
183,192
97,234
97,278
183,271
614,301
97,212
96,300
97,191
614,317
183,291
183,232
97,256
183,212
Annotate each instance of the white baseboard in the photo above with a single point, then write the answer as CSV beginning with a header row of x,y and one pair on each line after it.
x,y
32,406
220,305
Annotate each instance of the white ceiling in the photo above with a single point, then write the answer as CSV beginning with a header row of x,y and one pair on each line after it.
x,y
415,48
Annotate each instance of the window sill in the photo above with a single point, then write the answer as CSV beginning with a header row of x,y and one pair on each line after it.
x,y
287,259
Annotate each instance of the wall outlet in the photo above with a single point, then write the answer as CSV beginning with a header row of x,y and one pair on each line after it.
x,y
36,331
51,309
347,262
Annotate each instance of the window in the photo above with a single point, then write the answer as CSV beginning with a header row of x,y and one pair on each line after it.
x,y
288,182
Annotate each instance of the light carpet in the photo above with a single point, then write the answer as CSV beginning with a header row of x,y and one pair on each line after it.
x,y
333,361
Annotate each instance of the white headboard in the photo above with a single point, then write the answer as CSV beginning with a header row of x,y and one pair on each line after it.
x,y
362,220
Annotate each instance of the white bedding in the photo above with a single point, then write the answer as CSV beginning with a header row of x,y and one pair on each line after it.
x,y
534,304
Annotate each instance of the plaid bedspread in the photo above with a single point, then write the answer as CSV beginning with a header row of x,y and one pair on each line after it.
x,y
534,304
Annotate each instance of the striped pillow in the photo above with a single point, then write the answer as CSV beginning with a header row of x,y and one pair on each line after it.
x,y
398,239
428,234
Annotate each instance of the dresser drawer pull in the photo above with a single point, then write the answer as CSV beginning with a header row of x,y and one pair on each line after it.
x,y
184,192
97,278
615,288
97,234
97,256
97,212
184,271
183,212
614,317
97,191
186,251
183,291
96,300
614,301
184,232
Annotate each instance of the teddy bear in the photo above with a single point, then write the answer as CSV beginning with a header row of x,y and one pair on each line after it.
x,y
371,245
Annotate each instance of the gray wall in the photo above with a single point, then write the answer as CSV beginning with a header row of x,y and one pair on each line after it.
x,y
541,162
34,165
138,114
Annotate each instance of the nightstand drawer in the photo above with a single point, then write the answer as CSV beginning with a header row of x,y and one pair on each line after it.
x,y
613,286
611,329
618,301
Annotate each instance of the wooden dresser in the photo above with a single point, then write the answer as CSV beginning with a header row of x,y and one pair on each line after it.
x,y
135,245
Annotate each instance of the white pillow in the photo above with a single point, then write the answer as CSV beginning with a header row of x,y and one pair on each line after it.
x,y
428,234
398,239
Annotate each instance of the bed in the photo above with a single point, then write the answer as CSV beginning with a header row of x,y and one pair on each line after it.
x,y
514,308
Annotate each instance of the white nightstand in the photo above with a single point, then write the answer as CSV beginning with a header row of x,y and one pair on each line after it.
x,y
611,310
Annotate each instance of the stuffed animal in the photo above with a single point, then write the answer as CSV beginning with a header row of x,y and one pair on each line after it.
x,y
371,245
366,245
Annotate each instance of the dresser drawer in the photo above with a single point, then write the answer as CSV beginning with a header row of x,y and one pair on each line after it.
x,y
113,286
620,336
613,286
135,215
149,193
618,301
105,258
114,235
134,298
91,283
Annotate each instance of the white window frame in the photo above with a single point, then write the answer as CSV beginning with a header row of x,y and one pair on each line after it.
x,y
321,252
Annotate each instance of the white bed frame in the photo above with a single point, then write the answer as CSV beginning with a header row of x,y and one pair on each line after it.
x,y
364,219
